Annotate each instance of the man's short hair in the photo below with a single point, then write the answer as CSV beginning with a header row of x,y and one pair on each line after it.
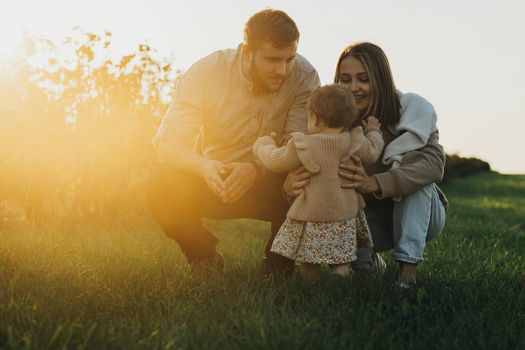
x,y
272,27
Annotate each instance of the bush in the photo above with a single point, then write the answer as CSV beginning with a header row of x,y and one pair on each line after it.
x,y
77,126
457,167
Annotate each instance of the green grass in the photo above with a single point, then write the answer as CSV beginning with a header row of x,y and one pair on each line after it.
x,y
129,287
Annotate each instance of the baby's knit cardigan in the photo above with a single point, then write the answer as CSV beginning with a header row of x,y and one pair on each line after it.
x,y
323,199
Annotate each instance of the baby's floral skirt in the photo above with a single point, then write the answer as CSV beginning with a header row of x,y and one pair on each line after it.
x,y
323,242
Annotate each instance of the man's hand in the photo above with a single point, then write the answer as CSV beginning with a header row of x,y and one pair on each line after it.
x,y
355,173
211,171
295,182
240,179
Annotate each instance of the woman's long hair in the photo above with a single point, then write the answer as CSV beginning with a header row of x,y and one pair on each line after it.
x,y
384,101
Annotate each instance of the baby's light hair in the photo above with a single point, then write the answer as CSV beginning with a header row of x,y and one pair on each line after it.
x,y
334,105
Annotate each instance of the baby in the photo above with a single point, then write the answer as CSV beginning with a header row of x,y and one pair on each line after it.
x,y
324,222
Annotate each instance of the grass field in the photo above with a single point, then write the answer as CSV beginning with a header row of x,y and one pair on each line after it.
x,y
128,287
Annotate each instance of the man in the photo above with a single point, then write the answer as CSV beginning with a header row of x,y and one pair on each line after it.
x,y
221,105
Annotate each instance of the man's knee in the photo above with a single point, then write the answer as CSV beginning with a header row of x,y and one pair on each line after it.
x,y
174,199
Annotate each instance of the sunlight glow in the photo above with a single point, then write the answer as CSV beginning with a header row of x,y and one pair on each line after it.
x,y
446,64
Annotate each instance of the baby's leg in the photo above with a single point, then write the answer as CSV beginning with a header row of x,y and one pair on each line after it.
x,y
309,272
342,270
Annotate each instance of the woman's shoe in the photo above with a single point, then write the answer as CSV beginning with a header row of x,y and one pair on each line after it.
x,y
379,265
405,285
369,261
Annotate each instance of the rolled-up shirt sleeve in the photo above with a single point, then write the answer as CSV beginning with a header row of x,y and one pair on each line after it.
x,y
298,114
183,120
417,169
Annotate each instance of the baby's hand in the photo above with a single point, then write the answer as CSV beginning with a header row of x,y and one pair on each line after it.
x,y
262,141
266,140
371,123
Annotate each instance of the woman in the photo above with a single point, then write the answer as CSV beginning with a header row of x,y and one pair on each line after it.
x,y
405,208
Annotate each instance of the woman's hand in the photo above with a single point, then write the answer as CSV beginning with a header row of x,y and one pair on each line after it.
x,y
353,171
295,182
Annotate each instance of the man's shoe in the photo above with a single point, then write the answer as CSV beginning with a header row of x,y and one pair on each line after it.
x,y
279,266
213,264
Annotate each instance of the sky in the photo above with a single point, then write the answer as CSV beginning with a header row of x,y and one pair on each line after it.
x,y
466,57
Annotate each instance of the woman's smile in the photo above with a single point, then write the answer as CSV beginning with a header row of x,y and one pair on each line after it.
x,y
353,76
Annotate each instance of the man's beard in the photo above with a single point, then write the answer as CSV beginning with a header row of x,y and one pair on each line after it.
x,y
259,83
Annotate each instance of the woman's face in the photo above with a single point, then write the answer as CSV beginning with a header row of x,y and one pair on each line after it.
x,y
353,76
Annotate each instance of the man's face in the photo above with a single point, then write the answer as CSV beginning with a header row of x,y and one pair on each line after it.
x,y
269,66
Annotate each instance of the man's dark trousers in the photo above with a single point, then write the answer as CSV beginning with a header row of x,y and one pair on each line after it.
x,y
179,200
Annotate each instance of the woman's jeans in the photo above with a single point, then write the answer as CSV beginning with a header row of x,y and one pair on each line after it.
x,y
416,219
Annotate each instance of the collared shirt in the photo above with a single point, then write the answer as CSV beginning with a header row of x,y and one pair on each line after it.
x,y
215,108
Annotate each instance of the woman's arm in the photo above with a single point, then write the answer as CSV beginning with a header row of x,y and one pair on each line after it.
x,y
417,169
